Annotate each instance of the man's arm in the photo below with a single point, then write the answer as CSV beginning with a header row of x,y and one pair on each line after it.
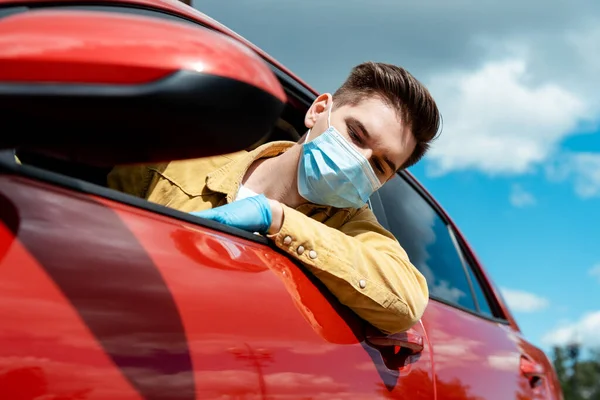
x,y
362,264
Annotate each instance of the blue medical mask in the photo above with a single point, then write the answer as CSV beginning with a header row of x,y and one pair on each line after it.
x,y
333,172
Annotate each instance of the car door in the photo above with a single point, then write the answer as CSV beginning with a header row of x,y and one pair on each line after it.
x,y
477,354
107,296
104,296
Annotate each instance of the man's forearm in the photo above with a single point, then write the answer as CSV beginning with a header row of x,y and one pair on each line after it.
x,y
366,269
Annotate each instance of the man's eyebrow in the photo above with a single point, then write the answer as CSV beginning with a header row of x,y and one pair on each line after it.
x,y
365,132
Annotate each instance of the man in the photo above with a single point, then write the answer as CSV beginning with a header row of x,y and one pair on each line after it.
x,y
309,197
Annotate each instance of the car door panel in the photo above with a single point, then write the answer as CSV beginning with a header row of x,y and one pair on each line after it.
x,y
474,358
125,303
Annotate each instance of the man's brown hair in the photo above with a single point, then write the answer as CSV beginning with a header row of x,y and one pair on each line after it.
x,y
396,86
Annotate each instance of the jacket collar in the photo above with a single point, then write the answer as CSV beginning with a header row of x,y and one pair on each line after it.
x,y
227,179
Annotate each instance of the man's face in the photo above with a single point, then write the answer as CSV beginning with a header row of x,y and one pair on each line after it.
x,y
373,127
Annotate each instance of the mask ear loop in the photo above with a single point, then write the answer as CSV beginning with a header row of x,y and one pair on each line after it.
x,y
307,136
328,124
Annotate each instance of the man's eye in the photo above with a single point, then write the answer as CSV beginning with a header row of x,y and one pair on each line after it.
x,y
354,136
379,167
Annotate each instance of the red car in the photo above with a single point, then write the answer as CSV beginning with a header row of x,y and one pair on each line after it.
x,y
107,296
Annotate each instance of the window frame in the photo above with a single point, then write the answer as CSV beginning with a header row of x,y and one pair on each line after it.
x,y
468,267
464,266
80,186
486,289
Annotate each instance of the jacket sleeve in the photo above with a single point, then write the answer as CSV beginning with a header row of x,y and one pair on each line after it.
x,y
362,264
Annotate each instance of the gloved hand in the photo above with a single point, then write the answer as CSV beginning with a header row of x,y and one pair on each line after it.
x,y
252,214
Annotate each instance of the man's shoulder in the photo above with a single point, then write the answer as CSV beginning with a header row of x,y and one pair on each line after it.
x,y
188,174
191,175
198,166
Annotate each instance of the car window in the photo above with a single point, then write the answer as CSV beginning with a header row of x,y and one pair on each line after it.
x,y
482,301
426,239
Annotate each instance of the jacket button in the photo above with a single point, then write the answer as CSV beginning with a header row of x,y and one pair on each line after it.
x,y
287,240
312,254
300,250
362,283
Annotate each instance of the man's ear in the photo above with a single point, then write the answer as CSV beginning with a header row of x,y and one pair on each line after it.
x,y
319,106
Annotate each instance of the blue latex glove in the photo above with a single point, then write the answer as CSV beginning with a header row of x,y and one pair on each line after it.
x,y
252,214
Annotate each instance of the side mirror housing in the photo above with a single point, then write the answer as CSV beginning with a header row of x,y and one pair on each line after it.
x,y
106,88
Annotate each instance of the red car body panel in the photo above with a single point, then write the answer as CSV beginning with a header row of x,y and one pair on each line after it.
x,y
102,300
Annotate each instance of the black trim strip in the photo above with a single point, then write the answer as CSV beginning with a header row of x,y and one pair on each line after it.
x,y
89,188
469,311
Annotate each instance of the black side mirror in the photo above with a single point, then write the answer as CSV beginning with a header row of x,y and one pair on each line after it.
x,y
109,88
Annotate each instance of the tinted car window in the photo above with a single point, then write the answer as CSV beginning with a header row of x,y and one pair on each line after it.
x,y
426,239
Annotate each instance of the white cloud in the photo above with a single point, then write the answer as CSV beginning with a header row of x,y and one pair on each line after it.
x,y
582,168
583,331
521,301
595,271
519,197
497,121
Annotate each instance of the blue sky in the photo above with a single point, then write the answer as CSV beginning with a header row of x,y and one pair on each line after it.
x,y
518,163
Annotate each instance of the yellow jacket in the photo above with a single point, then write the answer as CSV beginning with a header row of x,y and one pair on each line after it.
x,y
359,261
